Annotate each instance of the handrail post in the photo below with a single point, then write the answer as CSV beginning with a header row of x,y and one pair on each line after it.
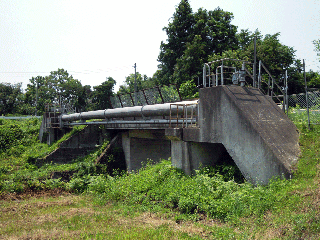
x,y
217,77
204,73
222,82
287,98
255,62
259,76
209,75
272,88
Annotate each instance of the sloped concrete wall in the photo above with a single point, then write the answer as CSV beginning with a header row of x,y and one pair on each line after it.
x,y
259,137
78,145
89,137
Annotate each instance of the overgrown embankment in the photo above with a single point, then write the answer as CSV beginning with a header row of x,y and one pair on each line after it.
x,y
20,148
283,209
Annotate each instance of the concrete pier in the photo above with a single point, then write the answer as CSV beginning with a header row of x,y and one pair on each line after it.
x,y
140,146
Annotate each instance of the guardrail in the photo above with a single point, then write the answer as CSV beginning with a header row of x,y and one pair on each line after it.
x,y
20,117
150,96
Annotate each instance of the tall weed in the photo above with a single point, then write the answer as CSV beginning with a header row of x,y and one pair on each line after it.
x,y
168,187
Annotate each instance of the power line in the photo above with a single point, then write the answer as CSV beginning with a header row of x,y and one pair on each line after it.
x,y
122,68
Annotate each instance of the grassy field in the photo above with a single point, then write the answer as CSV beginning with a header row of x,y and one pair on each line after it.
x,y
158,202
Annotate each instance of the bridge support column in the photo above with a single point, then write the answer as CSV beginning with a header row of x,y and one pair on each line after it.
x,y
190,156
138,150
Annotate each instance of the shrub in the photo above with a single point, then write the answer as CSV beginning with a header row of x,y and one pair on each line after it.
x,y
10,135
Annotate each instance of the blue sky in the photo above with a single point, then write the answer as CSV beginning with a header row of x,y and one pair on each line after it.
x,y
96,39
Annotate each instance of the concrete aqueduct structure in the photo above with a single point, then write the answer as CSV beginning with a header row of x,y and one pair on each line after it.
x,y
241,121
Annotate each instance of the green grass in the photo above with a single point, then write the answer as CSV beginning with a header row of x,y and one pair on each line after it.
x,y
115,206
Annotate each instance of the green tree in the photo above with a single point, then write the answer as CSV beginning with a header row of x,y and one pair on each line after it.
x,y
67,89
58,87
295,78
191,39
84,98
143,82
11,98
246,37
216,31
179,32
101,94
189,65
274,55
313,79
39,93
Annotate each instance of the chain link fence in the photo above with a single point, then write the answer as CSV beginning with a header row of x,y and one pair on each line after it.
x,y
156,95
305,107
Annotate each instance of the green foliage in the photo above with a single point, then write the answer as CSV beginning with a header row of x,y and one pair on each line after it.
x,y
188,90
143,82
192,37
79,184
316,44
101,94
164,185
274,55
10,135
228,172
313,79
11,99
17,171
179,32
188,66
58,86
17,135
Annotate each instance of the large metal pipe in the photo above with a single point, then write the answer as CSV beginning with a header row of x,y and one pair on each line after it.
x,y
136,122
137,111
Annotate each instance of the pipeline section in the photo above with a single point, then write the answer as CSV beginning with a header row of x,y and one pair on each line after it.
x,y
137,111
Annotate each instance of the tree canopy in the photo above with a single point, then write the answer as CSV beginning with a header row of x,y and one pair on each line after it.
x,y
192,37
101,94
11,98
143,82
59,86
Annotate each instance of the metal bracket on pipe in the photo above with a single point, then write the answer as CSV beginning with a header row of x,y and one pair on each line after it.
x,y
144,117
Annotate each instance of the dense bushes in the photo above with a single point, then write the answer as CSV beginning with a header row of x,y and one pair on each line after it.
x,y
166,186
18,133
9,135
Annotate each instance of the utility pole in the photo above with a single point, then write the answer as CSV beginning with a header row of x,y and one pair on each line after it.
x,y
255,63
306,87
135,85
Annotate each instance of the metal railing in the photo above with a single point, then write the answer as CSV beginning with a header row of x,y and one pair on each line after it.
x,y
53,112
277,93
229,74
188,117
223,73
